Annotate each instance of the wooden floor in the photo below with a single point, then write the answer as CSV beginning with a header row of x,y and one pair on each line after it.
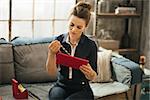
x,y
121,96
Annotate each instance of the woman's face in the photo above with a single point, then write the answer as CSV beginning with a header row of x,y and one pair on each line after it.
x,y
76,27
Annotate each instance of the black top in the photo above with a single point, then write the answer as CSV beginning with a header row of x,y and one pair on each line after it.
x,y
85,49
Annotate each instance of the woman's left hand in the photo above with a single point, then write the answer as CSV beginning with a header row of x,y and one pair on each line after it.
x,y
87,70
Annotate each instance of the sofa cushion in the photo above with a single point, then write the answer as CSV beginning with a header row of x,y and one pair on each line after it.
x,y
30,61
6,62
105,89
41,90
103,66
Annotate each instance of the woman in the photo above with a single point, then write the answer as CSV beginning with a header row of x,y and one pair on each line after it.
x,y
73,83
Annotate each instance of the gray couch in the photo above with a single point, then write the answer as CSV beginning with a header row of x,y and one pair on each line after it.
x,y
24,59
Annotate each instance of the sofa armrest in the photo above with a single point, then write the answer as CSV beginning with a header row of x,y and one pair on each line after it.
x,y
126,71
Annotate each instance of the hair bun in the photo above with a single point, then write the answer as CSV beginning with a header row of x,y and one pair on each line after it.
x,y
84,5
82,10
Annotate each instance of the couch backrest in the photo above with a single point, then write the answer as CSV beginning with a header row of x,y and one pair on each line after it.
x,y
6,62
25,60
30,59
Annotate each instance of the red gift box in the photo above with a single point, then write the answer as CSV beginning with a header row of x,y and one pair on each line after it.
x,y
70,61
19,93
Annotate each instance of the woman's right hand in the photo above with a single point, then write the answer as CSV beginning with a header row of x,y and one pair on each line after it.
x,y
54,46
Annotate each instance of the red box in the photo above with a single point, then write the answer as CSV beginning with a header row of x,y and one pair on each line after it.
x,y
16,92
0,97
70,61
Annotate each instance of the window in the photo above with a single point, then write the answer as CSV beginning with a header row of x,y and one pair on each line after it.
x,y
34,18
4,16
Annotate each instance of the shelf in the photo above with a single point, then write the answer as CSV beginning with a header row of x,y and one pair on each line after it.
x,y
126,51
108,15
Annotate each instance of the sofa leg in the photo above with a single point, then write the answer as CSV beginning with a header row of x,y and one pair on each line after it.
x,y
138,92
126,93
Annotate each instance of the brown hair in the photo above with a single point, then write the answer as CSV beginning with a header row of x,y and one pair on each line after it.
x,y
82,10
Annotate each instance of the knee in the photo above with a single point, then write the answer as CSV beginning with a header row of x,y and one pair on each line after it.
x,y
55,94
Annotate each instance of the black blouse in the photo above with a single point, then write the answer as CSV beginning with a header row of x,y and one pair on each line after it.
x,y
85,49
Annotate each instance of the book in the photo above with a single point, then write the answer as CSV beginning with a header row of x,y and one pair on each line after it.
x,y
70,61
125,10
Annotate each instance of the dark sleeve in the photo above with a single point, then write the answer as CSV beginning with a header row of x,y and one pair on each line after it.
x,y
60,37
93,56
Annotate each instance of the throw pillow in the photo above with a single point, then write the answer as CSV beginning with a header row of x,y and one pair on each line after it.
x,y
103,66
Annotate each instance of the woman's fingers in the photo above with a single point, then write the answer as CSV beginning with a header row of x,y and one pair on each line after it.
x,y
85,68
88,71
54,46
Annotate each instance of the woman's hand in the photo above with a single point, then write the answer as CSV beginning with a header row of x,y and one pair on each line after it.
x,y
89,73
54,46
